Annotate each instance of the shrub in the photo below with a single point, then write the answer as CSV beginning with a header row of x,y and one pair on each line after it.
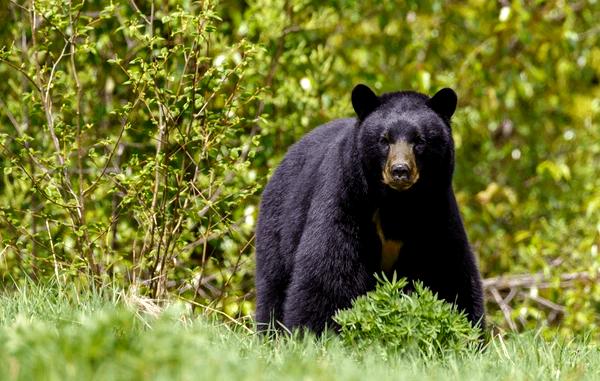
x,y
403,322
126,139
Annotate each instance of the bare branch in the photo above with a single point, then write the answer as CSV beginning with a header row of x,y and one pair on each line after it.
x,y
541,281
504,307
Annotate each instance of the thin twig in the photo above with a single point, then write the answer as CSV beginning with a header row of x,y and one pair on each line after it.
x,y
505,308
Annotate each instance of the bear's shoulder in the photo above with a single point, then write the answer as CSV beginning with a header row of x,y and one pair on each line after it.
x,y
316,152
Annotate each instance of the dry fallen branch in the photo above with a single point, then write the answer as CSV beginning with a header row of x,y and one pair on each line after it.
x,y
540,281
512,286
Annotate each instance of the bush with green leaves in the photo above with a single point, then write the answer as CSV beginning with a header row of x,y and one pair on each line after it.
x,y
403,322
127,134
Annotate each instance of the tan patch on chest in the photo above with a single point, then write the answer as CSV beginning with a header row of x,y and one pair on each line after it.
x,y
390,249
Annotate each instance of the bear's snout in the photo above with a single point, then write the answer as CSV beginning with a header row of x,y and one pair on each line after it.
x,y
401,172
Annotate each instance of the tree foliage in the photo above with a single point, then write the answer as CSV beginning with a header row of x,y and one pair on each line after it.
x,y
135,136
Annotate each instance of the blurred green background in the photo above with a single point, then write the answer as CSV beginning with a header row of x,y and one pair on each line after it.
x,y
136,137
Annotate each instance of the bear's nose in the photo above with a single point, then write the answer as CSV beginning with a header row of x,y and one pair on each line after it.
x,y
400,171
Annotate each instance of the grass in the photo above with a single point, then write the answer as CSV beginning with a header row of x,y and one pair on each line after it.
x,y
50,334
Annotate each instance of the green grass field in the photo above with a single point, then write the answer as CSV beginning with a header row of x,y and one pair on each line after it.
x,y
50,334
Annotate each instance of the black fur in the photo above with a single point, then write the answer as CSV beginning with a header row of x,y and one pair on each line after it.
x,y
316,244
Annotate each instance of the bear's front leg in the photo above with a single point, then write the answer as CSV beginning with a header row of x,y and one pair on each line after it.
x,y
328,275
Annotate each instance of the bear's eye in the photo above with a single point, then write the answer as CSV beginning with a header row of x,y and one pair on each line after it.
x,y
384,139
419,146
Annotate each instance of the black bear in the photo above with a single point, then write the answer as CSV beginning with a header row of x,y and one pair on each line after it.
x,y
359,196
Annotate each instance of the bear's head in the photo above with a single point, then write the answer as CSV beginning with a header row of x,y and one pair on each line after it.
x,y
404,138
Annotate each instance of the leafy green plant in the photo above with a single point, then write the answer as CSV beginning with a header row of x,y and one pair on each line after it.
x,y
126,138
404,322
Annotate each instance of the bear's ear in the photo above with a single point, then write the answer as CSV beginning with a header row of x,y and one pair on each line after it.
x,y
444,103
364,101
